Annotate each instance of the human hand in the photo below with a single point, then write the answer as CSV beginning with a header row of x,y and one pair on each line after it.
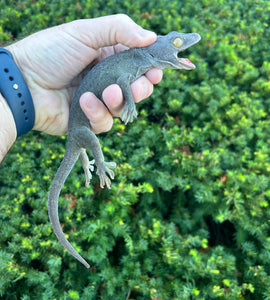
x,y
52,62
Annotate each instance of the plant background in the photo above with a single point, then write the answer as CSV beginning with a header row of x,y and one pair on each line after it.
x,y
188,213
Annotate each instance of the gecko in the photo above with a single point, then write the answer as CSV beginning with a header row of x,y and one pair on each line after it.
x,y
122,68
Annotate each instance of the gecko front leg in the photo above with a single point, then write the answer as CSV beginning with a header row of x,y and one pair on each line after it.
x,y
129,111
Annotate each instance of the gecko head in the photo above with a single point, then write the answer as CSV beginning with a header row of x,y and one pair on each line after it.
x,y
167,48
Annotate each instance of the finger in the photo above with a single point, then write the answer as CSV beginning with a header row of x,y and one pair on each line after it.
x,y
113,98
111,30
100,118
142,88
154,75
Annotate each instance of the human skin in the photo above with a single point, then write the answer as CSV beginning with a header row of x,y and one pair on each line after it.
x,y
52,62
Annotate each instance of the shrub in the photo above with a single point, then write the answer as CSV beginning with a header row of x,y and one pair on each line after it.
x,y
188,213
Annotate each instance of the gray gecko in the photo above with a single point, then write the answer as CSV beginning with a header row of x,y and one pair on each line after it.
x,y
122,68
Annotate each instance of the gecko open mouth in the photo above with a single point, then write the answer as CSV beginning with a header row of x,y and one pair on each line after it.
x,y
186,63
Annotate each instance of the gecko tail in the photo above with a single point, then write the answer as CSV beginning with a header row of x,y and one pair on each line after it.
x,y
62,173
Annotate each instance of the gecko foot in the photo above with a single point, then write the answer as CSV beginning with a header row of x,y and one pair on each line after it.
x,y
102,170
87,172
128,113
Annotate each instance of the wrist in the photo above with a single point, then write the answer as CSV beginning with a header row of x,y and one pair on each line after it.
x,y
8,131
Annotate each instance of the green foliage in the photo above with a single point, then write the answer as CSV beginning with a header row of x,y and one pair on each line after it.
x,y
188,213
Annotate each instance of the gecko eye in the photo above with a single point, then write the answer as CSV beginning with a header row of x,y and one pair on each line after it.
x,y
177,42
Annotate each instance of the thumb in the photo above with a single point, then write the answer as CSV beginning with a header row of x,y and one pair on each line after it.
x,y
112,30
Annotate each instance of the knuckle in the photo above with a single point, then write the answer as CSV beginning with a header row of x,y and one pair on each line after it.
x,y
123,17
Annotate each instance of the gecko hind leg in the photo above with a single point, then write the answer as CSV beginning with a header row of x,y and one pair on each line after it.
x,y
88,166
86,139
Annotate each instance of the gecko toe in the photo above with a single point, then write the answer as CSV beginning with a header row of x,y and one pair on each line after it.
x,y
128,114
88,172
102,170
91,165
